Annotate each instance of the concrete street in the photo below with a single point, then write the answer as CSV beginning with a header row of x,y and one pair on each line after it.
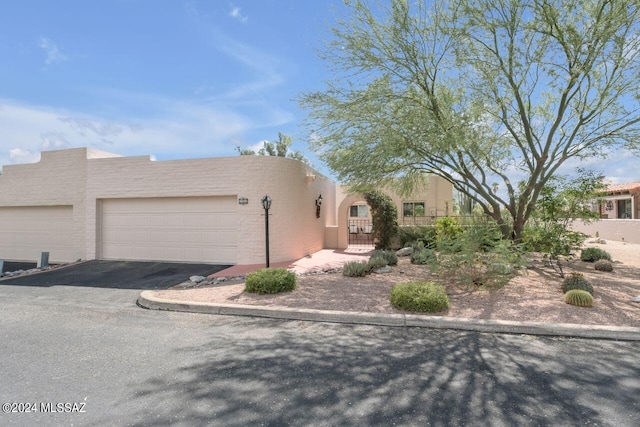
x,y
129,366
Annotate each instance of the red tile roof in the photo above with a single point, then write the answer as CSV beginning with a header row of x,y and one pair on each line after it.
x,y
623,188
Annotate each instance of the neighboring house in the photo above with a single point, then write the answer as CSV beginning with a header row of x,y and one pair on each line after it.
x,y
621,201
619,211
88,204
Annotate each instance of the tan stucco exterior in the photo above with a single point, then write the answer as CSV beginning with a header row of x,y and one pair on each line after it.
x,y
436,194
82,178
77,203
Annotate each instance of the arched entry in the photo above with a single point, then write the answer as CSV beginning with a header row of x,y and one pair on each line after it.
x,y
354,223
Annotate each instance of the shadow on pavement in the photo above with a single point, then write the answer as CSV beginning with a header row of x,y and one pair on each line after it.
x,y
117,275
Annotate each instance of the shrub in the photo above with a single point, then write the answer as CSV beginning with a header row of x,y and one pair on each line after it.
x,y
389,256
423,256
579,298
384,216
603,265
424,235
355,269
576,281
377,261
270,281
425,297
594,254
447,229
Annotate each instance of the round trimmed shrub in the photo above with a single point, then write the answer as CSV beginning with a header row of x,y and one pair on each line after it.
x,y
576,281
270,281
355,269
594,254
424,256
603,265
579,298
422,296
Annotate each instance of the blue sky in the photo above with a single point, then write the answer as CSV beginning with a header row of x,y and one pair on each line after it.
x,y
171,79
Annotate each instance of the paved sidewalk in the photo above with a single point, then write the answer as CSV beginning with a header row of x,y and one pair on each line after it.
x,y
324,259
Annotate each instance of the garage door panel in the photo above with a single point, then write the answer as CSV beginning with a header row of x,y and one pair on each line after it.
x,y
189,229
26,231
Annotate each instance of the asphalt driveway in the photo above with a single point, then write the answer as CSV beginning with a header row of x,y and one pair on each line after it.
x,y
117,275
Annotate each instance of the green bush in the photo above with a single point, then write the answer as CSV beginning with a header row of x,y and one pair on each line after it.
x,y
603,265
411,236
389,256
579,298
270,281
447,228
355,269
424,297
576,281
594,254
423,256
376,262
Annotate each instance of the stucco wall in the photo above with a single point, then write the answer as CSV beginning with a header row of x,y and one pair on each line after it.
x,y
56,180
437,195
81,177
624,230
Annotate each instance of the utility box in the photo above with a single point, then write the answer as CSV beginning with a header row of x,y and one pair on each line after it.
x,y
44,260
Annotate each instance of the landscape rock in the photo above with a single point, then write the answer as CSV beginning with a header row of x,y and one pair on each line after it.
x,y
383,270
197,279
636,299
404,251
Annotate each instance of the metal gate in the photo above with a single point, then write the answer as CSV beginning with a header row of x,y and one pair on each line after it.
x,y
360,232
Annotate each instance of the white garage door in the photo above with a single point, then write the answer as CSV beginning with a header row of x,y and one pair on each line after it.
x,y
27,231
184,229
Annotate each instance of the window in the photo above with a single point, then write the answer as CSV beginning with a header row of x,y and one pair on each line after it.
x,y
413,209
359,211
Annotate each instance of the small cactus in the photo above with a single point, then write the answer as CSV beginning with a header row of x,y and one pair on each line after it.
x,y
603,265
579,298
576,281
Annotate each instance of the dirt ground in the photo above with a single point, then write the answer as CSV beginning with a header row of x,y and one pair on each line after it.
x,y
534,295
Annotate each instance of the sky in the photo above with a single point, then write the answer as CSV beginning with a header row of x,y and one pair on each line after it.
x,y
173,79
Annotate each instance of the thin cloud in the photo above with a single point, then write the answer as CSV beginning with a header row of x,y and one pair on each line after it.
x,y
235,13
52,51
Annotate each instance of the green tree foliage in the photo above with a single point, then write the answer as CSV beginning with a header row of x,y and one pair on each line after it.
x,y
278,148
479,92
562,202
384,216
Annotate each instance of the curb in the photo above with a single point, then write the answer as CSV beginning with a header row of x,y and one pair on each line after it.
x,y
618,333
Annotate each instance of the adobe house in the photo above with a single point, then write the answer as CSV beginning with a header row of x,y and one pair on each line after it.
x,y
621,201
88,204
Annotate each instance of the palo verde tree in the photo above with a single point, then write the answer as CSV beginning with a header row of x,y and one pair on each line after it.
x,y
278,148
479,92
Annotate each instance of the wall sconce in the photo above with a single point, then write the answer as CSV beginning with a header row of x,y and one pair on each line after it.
x,y
318,204
311,177
243,201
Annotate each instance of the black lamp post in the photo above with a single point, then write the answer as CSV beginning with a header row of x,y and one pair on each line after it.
x,y
266,204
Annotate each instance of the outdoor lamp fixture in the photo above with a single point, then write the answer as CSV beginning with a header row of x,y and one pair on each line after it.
x,y
318,204
266,205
